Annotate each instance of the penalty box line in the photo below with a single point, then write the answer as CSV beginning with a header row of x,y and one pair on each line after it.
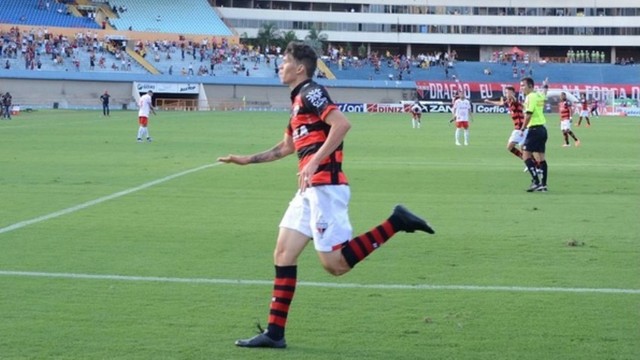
x,y
486,288
87,204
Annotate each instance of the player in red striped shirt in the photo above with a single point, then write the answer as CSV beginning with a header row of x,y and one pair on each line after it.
x,y
319,209
517,116
584,110
566,109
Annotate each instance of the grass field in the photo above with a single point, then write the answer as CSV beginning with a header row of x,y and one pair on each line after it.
x,y
110,249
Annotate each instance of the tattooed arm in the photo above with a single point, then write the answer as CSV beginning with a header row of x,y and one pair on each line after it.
x,y
280,150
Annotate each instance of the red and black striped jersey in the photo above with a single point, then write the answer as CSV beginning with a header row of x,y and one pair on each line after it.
x,y
517,115
565,110
584,103
310,106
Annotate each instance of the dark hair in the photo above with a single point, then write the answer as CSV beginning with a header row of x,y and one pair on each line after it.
x,y
510,88
304,54
528,80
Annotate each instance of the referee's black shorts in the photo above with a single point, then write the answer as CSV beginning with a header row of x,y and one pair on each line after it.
x,y
536,139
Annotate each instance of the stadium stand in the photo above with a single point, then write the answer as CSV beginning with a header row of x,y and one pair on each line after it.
x,y
169,20
37,13
170,16
234,61
475,71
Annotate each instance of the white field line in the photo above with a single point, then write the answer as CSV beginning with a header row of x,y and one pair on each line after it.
x,y
87,204
207,281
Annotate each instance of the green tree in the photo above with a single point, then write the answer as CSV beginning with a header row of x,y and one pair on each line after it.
x,y
348,49
244,39
268,35
288,37
362,51
316,40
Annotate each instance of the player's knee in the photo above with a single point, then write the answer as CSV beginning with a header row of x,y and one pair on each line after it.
x,y
336,270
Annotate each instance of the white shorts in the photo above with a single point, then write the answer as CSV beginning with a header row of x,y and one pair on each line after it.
x,y
321,213
565,125
584,113
518,136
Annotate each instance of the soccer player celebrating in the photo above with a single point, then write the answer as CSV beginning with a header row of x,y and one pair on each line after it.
x,y
416,115
319,209
584,110
517,116
535,142
462,113
565,120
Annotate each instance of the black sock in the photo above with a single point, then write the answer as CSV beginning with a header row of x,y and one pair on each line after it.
x,y
573,136
516,152
284,286
531,166
543,167
358,248
566,138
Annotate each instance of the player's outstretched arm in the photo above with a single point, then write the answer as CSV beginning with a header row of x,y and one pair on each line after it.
x,y
280,150
545,86
493,102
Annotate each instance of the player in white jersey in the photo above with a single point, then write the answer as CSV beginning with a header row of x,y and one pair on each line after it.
x,y
145,106
462,114
416,114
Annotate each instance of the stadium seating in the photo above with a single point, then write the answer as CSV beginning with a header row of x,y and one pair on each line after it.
x,y
28,12
170,16
226,68
68,66
475,71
